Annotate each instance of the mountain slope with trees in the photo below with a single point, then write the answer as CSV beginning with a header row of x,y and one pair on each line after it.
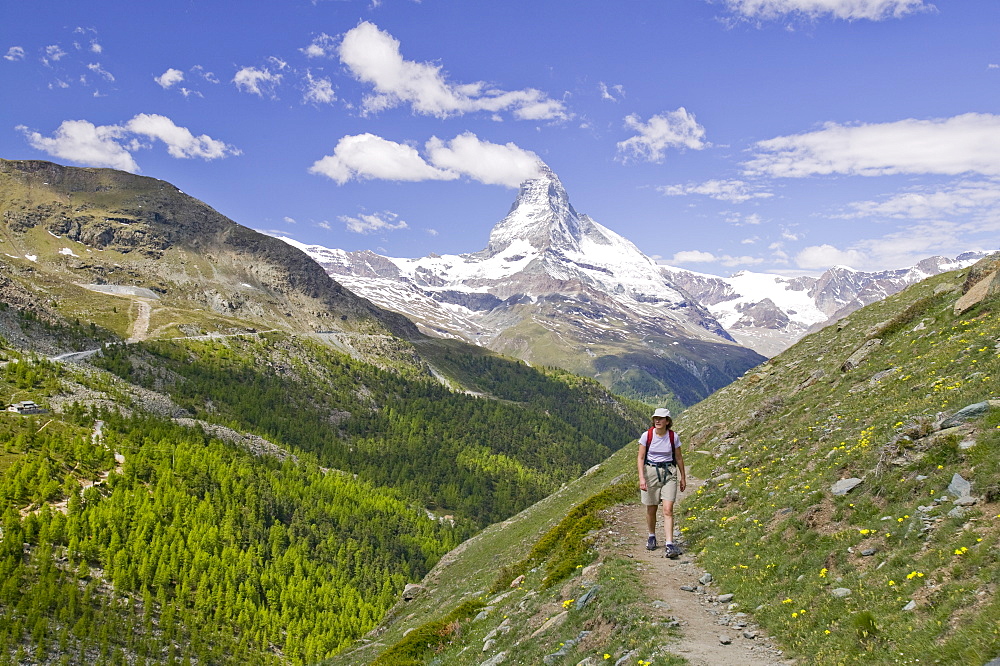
x,y
236,460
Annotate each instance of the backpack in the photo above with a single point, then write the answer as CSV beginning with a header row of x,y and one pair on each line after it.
x,y
673,447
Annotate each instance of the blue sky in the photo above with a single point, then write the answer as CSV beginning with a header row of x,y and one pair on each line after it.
x,y
717,135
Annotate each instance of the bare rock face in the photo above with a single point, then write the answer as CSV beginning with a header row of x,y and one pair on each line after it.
x,y
982,283
763,314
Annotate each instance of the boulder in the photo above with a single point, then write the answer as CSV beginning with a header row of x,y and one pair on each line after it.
x,y
861,354
959,486
845,486
982,283
554,621
412,591
968,412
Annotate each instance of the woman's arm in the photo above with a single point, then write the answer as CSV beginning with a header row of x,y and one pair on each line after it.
x,y
640,464
680,468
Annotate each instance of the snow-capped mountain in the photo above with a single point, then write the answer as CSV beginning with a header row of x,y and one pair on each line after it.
x,y
768,313
554,287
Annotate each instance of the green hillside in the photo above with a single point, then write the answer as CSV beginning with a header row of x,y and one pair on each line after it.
x,y
902,568
259,498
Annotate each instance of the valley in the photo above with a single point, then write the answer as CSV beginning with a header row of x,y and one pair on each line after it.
x,y
287,473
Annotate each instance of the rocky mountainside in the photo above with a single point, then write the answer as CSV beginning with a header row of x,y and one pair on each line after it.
x,y
99,237
769,313
554,287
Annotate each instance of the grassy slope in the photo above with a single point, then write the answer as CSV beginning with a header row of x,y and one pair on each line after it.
x,y
774,533
767,524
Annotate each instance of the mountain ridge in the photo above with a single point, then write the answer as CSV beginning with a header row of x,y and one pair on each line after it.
x,y
101,226
769,312
549,284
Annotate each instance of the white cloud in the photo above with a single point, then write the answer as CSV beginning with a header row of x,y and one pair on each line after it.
x,y
82,142
208,76
97,69
700,257
693,257
96,48
950,146
744,260
778,253
370,223
169,78
373,56
905,246
821,257
673,129
489,163
875,10
323,46
961,198
112,145
733,191
259,82
613,93
366,156
740,220
14,54
53,53
288,220
318,91
180,141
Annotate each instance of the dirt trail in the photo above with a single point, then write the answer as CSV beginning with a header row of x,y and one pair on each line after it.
x,y
712,633
140,328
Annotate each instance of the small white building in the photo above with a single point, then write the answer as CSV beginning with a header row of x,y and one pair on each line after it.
x,y
26,407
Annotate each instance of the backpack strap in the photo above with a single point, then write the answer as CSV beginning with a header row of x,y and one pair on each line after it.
x,y
673,445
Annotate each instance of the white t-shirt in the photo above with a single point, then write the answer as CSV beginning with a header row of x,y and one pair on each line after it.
x,y
659,448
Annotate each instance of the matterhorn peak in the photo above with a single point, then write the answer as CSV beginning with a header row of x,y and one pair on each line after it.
x,y
542,217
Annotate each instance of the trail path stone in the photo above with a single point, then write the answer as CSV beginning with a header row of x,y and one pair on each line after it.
x,y
702,617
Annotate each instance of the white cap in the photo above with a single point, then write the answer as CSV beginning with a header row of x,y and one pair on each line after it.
x,y
662,411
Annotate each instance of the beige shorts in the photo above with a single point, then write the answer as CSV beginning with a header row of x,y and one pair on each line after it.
x,y
656,489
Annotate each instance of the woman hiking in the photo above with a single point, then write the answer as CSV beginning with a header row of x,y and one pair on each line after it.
x,y
658,464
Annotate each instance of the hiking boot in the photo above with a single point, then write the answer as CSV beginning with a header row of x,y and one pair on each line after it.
x,y
671,551
651,543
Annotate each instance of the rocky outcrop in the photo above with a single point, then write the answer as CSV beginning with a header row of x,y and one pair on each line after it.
x,y
982,283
